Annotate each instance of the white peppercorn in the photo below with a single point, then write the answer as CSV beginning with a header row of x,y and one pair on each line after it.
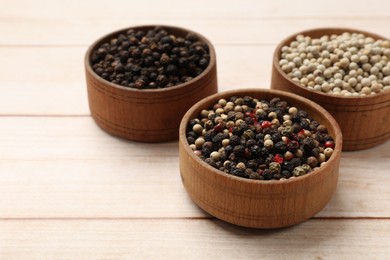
x,y
338,64
215,156
199,142
241,165
268,144
328,152
197,128
386,71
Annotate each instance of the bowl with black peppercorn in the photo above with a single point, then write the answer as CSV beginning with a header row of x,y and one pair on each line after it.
x,y
259,158
347,72
141,80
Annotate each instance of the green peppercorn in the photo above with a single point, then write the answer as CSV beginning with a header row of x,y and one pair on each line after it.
x,y
248,134
299,171
275,167
306,167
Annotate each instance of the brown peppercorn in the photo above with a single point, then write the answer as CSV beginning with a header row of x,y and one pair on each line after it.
x,y
312,161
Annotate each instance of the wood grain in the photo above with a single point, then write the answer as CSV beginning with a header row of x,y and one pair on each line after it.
x,y
242,31
191,239
253,21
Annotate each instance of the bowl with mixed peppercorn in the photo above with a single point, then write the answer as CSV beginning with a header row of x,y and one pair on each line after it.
x,y
259,158
347,72
141,80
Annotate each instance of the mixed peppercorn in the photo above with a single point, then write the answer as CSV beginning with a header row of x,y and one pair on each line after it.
x,y
259,139
150,59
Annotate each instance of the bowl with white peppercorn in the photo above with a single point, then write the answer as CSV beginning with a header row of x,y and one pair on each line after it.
x,y
259,158
347,72
141,80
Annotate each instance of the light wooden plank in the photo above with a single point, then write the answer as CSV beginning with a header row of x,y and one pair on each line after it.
x,y
68,167
42,28
43,81
51,81
202,9
192,239
69,138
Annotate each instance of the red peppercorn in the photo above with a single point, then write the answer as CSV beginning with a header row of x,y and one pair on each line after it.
x,y
279,158
329,144
218,128
266,124
253,115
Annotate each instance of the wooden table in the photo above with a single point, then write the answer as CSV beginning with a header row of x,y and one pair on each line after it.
x,y
69,190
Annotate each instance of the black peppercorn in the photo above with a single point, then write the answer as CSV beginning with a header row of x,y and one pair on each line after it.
x,y
228,149
237,171
252,164
280,147
264,152
254,176
276,137
206,151
296,162
190,140
251,142
218,138
267,174
133,50
292,146
277,176
234,140
239,150
192,134
308,144
302,113
315,152
286,174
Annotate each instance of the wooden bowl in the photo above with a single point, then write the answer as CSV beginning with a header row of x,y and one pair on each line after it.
x,y
364,121
259,203
148,115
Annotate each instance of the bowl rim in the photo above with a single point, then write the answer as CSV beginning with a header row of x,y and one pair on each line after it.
x,y
100,40
278,93
276,55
